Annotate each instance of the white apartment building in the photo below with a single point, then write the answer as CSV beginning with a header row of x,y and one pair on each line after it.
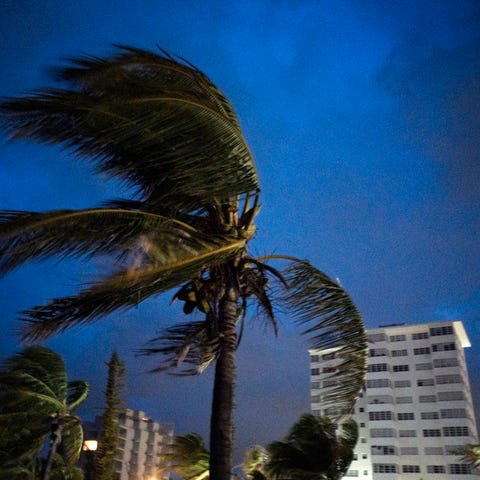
x,y
142,442
416,408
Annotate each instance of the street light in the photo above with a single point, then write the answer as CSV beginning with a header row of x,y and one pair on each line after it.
x,y
90,445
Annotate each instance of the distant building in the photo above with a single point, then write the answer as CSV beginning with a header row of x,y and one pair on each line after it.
x,y
416,409
142,442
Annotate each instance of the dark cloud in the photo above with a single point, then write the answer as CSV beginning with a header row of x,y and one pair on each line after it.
x,y
438,90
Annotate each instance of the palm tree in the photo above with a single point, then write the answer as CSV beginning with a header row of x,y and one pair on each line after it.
x,y
36,401
188,457
162,127
313,450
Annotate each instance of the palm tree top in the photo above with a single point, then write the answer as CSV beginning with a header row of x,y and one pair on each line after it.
x,y
148,119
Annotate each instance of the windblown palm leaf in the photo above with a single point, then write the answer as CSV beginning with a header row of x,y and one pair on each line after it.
x,y
188,457
313,449
470,454
34,395
161,126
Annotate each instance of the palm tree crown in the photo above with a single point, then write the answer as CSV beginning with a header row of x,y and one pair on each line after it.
x,y
314,449
36,401
161,126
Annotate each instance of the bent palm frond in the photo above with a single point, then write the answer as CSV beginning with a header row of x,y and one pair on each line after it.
x,y
25,236
188,457
72,438
332,323
37,369
147,119
77,393
185,345
122,291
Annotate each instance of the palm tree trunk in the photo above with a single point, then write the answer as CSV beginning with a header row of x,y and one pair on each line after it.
x,y
55,440
221,423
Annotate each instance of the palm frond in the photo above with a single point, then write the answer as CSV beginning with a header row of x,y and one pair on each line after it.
x,y
72,439
147,119
470,454
23,434
188,457
77,393
187,348
28,235
35,369
333,323
122,291
22,391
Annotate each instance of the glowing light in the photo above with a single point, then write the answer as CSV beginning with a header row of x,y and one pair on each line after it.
x,y
90,445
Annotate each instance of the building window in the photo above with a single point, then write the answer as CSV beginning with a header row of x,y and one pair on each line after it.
x,y
314,358
443,347
376,337
419,335
378,383
377,367
406,416
446,330
429,415
433,451
432,432
382,432
447,396
315,371
384,468
453,413
408,451
402,383
435,469
352,473
328,356
385,415
446,379
445,362
427,398
315,385
426,382
399,353
423,366
455,432
401,368
378,352
400,400
410,469
383,450
379,399
328,369
459,469
421,351
407,433
397,338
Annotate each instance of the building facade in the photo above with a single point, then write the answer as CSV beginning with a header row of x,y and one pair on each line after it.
x,y
416,409
142,443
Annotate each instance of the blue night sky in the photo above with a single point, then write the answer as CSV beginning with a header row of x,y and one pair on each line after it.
x,y
363,120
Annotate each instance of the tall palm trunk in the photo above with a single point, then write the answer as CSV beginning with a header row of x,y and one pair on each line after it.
x,y
221,423
55,440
